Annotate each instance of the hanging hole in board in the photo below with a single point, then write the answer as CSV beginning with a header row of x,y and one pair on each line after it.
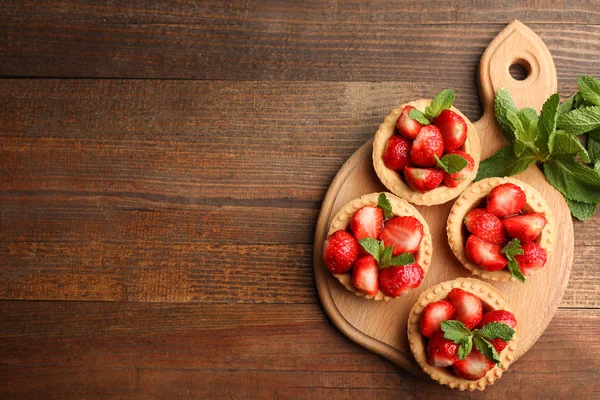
x,y
520,70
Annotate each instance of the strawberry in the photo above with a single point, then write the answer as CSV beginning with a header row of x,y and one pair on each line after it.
x,y
340,252
423,179
453,180
429,142
468,307
487,255
474,367
533,257
486,226
526,227
397,152
365,275
366,222
441,352
506,199
498,316
408,127
396,280
453,129
404,234
433,315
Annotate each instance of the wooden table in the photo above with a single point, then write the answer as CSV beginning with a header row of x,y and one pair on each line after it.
x,y
162,166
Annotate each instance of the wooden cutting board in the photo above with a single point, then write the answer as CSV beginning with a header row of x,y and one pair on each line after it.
x,y
381,326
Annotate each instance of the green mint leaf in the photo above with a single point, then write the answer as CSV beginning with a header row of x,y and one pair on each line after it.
x,y
562,143
442,101
385,205
547,123
513,268
371,246
593,146
567,106
386,256
455,330
512,249
504,103
519,147
589,88
495,330
505,163
581,211
454,162
581,120
465,347
440,164
525,126
486,349
418,116
574,180
402,259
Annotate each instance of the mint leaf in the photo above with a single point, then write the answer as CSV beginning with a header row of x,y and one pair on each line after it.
x,y
442,101
451,163
495,330
562,143
593,145
580,120
525,129
440,164
575,181
486,349
581,211
385,205
504,103
371,246
505,163
512,249
465,347
455,330
590,89
573,102
386,256
547,123
418,116
402,259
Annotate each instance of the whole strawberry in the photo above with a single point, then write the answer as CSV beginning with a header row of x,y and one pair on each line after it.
x,y
340,252
533,258
453,129
486,226
397,153
408,127
453,180
423,179
441,352
395,280
428,144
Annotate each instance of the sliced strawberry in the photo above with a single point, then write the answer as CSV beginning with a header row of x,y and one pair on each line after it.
x,y
533,257
340,252
487,255
427,144
486,226
441,352
423,179
366,222
468,307
453,129
453,180
474,367
498,316
396,280
404,234
408,127
397,153
365,275
433,315
506,199
526,227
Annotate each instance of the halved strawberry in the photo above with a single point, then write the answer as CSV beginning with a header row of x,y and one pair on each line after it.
x,y
408,127
453,180
486,226
340,252
503,316
474,367
366,222
506,199
397,153
468,307
404,234
365,275
487,255
423,179
533,257
526,227
395,280
429,142
441,352
453,129
433,315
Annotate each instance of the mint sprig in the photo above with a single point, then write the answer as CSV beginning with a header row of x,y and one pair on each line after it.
x,y
384,203
451,163
512,249
457,332
383,254
442,101
418,116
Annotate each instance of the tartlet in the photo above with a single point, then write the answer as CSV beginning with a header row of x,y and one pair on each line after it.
x,y
395,183
471,198
491,300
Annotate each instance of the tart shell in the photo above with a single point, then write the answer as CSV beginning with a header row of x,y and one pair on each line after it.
x,y
392,180
471,198
400,208
492,300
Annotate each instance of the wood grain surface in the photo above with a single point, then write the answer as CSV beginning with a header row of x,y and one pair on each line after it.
x,y
157,218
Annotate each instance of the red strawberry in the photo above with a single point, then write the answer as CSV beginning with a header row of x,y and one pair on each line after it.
x,y
533,257
429,142
474,367
423,179
397,152
453,129
433,315
526,227
506,199
396,280
408,127
404,234
487,255
365,275
453,180
441,352
340,252
486,226
366,222
498,316
468,307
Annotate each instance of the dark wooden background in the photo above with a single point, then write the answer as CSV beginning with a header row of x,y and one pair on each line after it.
x,y
162,166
